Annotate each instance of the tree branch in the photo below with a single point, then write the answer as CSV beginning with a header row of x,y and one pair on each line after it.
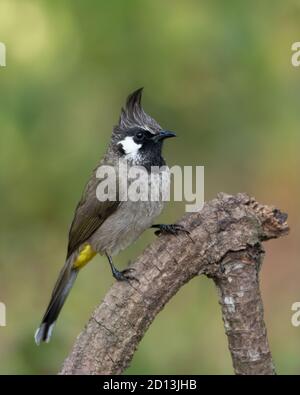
x,y
224,244
242,310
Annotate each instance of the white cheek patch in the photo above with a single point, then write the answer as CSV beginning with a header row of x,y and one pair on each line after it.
x,y
129,146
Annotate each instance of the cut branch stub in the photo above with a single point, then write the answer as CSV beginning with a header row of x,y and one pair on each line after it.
x,y
242,311
223,234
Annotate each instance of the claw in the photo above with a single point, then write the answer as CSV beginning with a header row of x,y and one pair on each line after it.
x,y
120,275
180,228
174,229
128,270
124,275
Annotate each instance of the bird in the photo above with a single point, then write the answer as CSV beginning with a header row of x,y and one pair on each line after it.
x,y
109,226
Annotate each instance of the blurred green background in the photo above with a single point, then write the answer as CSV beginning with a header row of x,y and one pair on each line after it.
x,y
219,73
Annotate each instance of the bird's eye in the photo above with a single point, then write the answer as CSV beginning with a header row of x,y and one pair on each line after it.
x,y
139,135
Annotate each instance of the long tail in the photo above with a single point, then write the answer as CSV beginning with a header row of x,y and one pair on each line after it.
x,y
59,295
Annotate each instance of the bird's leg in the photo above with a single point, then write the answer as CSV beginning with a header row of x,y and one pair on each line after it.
x,y
173,229
123,275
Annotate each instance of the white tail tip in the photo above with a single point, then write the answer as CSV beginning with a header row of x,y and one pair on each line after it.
x,y
39,335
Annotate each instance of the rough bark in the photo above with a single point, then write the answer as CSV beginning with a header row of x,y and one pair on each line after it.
x,y
242,310
224,244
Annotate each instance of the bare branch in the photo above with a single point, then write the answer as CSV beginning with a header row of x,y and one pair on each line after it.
x,y
224,244
242,310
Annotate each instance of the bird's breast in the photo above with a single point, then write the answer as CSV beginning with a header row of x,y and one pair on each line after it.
x,y
131,218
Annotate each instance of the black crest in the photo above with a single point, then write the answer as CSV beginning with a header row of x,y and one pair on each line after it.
x,y
133,114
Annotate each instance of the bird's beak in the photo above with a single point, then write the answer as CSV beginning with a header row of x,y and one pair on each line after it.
x,y
164,134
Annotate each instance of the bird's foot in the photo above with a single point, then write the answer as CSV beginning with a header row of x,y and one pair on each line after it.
x,y
173,229
124,275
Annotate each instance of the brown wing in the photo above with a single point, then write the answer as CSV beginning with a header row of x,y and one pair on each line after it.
x,y
89,215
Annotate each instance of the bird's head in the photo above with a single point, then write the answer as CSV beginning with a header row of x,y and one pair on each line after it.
x,y
138,137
